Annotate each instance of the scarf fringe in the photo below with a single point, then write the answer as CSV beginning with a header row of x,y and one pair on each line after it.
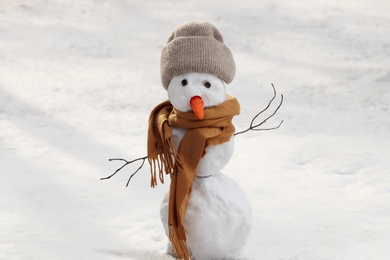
x,y
179,246
164,163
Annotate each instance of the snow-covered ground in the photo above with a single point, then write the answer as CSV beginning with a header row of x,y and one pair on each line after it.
x,y
79,78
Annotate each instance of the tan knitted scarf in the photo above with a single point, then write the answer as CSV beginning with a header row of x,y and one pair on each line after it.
x,y
182,162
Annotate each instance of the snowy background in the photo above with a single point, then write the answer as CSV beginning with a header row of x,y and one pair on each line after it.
x,y
79,78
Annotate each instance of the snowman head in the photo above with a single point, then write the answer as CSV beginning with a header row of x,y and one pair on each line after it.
x,y
196,91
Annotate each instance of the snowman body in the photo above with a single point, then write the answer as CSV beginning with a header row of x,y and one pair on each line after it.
x,y
218,216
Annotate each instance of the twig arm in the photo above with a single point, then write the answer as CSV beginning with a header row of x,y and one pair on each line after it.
x,y
256,127
126,162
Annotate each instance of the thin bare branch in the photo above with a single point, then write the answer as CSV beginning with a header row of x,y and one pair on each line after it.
x,y
256,127
124,165
139,168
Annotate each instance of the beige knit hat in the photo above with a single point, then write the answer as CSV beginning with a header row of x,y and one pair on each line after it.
x,y
196,47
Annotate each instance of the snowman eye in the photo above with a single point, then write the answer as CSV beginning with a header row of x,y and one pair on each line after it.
x,y
207,84
184,82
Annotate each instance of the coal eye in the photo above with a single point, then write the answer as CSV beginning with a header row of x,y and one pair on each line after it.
x,y
184,82
207,84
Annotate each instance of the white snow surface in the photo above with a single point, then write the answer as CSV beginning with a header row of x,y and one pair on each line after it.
x,y
79,78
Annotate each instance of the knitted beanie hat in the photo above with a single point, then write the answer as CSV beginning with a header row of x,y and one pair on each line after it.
x,y
196,47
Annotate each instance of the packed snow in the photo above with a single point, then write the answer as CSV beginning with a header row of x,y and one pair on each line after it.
x,y
79,78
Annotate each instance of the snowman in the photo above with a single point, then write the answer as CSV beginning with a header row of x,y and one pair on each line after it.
x,y
205,214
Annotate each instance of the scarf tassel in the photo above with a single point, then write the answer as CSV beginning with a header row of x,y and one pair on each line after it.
x,y
179,245
164,163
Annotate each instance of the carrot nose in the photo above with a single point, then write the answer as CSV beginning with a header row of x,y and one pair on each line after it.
x,y
197,106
